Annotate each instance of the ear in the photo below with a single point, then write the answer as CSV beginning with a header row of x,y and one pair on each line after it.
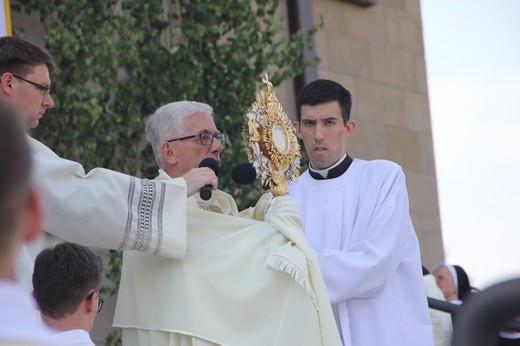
x,y
33,218
6,83
350,127
90,305
169,154
296,125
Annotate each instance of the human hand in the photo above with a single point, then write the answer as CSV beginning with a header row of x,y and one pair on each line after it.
x,y
196,178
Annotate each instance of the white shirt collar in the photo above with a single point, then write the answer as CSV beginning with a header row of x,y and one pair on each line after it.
x,y
324,172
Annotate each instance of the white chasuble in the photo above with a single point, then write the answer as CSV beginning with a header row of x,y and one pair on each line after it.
x,y
110,210
359,226
243,281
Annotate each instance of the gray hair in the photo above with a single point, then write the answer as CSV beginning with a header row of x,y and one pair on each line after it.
x,y
168,122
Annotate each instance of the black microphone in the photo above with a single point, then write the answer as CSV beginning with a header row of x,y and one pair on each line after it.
x,y
207,190
244,174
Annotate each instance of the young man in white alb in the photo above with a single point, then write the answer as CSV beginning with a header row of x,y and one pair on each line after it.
x,y
356,219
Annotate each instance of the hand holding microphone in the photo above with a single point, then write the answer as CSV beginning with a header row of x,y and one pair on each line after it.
x,y
204,175
207,190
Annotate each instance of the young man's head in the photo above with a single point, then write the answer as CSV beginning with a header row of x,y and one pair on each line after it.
x,y
324,91
25,82
182,134
20,208
66,281
323,121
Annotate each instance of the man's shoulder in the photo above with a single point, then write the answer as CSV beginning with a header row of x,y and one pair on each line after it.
x,y
19,318
377,168
301,178
39,147
75,337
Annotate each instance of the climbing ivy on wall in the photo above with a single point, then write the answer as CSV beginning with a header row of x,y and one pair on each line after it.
x,y
119,60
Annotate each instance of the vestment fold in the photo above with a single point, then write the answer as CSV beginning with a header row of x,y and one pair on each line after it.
x,y
223,291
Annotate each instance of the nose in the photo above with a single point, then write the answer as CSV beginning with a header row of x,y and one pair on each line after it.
x,y
48,102
217,146
318,134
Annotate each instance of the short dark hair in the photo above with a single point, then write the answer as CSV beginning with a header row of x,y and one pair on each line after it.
x,y
323,91
63,277
20,56
15,173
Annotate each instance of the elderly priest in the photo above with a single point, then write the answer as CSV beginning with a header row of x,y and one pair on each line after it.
x,y
247,278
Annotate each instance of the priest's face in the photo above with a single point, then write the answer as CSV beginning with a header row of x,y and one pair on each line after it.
x,y
187,154
324,133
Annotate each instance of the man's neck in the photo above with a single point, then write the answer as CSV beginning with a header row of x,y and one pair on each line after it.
x,y
70,322
171,172
324,171
9,101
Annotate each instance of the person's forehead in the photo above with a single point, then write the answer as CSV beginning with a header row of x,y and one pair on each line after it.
x,y
322,110
442,270
40,72
199,122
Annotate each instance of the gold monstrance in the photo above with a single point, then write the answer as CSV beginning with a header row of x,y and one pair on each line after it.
x,y
271,143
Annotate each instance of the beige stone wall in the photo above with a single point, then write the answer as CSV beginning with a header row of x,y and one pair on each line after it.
x,y
377,53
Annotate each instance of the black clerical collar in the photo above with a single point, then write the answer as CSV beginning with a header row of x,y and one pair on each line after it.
x,y
333,172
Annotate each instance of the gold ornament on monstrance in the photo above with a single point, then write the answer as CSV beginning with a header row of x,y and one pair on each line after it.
x,y
271,143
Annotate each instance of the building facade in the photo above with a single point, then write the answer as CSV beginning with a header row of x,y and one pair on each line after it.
x,y
377,53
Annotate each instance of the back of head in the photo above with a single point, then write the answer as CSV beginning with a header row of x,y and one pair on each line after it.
x,y
19,56
63,277
324,91
168,122
15,174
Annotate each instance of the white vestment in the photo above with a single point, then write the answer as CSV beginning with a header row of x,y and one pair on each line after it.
x,y
107,209
360,229
244,281
20,322
76,337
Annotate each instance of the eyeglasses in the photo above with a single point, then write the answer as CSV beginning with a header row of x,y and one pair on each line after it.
x,y
46,89
205,138
100,302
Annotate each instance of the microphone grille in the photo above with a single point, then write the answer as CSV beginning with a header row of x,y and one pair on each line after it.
x,y
244,174
210,163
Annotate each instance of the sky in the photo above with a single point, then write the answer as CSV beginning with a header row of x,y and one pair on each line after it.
x,y
473,68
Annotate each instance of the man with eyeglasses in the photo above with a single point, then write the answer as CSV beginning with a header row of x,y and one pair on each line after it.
x,y
66,282
30,99
25,79
117,211
247,278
